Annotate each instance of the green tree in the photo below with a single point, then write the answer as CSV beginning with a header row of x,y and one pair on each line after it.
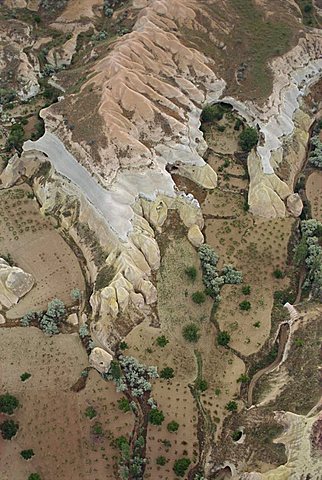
x,y
236,435
211,113
34,476
172,426
248,139
231,406
27,454
8,403
156,417
245,305
167,373
223,338
243,378
190,333
278,273
181,466
9,429
201,384
90,412
24,376
123,346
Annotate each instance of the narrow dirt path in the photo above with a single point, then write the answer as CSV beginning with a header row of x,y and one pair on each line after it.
x,y
282,341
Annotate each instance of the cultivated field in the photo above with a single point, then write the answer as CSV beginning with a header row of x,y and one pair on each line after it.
x,y
34,245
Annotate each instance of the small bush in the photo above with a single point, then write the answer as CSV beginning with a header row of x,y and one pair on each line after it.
x,y
123,346
8,403
223,338
181,466
24,376
97,429
162,341
191,333
246,290
198,297
231,406
172,426
27,454
124,404
245,305
34,476
156,417
167,373
248,139
9,429
161,460
191,273
120,442
90,412
278,273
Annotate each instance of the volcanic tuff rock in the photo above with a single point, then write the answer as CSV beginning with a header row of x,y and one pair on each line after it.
x,y
100,360
14,284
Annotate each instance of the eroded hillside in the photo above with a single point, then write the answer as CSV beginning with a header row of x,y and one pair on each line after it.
x,y
161,232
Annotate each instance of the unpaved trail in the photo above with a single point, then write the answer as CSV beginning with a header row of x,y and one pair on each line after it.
x,y
282,341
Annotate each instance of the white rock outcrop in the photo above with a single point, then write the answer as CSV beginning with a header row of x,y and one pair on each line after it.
x,y
195,236
14,284
100,360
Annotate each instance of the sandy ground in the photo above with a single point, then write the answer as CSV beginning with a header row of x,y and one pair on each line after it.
x,y
314,193
51,416
37,248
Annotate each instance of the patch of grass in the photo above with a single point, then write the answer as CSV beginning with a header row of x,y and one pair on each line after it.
x,y
124,405
246,290
245,305
191,273
90,412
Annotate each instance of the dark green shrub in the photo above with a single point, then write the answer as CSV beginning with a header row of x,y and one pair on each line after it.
x,y
181,466
198,297
245,305
238,124
201,385
156,417
223,338
248,139
167,373
8,403
24,376
120,442
34,476
237,435
212,113
97,429
90,412
9,429
231,406
172,426
191,272
243,378
278,273
123,346
27,454
191,333
15,138
308,8
161,460
115,370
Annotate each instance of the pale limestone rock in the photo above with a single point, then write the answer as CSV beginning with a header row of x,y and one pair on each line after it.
x,y
190,214
155,212
204,175
195,236
14,284
2,319
267,192
100,360
148,291
83,319
137,299
294,204
72,319
148,247
109,303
